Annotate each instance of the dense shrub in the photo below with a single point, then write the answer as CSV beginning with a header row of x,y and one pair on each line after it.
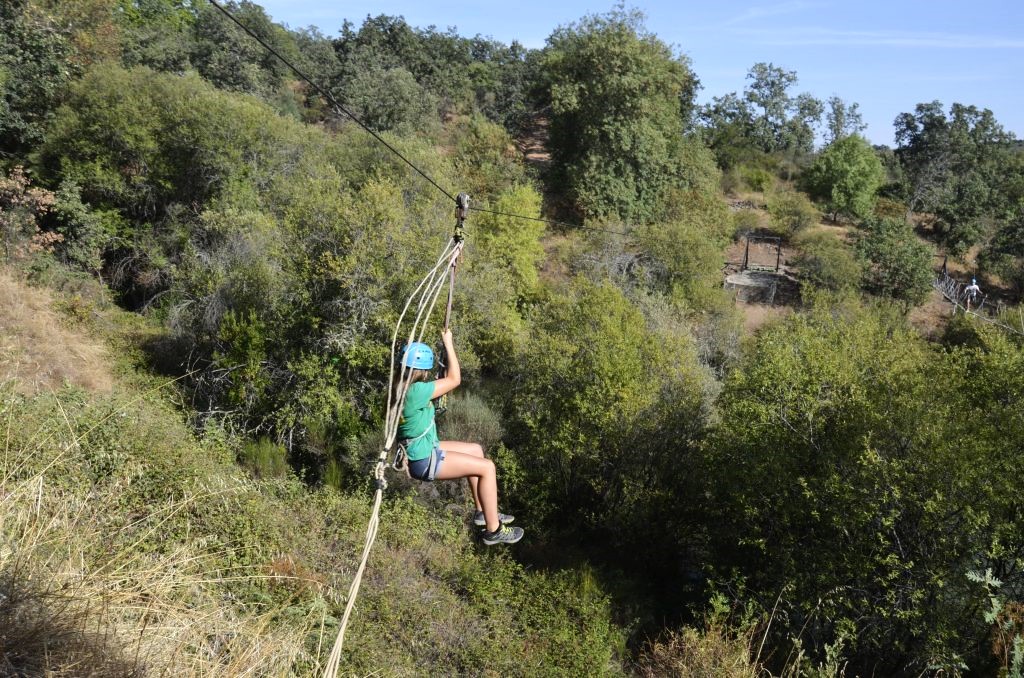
x,y
850,483
897,264
791,212
826,261
756,178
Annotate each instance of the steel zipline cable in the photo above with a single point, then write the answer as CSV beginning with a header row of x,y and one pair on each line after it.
x,y
330,98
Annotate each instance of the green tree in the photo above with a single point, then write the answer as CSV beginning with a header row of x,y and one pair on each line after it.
x,y
897,263
953,167
230,59
1004,253
727,126
842,120
606,406
846,176
391,100
618,96
513,243
35,69
781,122
767,92
682,255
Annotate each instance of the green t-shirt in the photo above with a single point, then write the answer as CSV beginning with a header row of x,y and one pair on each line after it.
x,y
417,417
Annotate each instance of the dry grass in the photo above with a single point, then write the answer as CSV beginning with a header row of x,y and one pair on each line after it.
x,y
37,352
756,316
100,598
712,653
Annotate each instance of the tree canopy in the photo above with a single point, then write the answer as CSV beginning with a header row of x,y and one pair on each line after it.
x,y
846,175
619,100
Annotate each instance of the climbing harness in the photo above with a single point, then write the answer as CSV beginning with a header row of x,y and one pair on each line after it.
x,y
424,298
401,461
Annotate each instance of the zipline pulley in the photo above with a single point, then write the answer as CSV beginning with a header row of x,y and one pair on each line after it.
x,y
461,212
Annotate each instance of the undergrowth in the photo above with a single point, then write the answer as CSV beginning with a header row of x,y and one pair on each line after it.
x,y
133,545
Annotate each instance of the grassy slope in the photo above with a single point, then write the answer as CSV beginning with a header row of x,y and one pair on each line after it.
x,y
125,537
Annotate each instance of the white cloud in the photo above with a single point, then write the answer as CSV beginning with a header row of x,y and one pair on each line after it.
x,y
772,10
795,37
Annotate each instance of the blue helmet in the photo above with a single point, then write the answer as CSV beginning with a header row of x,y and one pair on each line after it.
x,y
418,356
974,281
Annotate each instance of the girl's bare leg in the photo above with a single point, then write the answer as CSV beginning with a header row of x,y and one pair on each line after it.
x,y
462,465
471,449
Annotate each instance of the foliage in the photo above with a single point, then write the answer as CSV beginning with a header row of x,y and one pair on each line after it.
x,y
683,255
391,100
847,176
513,244
897,264
461,73
826,261
842,120
90,26
617,94
766,119
87,235
706,653
953,169
1006,620
485,158
607,405
727,125
1004,253
756,178
843,478
21,210
265,458
35,68
230,59
791,212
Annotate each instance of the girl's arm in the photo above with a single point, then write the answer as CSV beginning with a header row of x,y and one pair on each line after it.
x,y
454,376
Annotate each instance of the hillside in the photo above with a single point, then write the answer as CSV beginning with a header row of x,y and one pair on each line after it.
x,y
137,545
698,345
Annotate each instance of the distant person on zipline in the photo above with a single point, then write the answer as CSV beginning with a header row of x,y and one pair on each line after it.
x,y
432,459
971,292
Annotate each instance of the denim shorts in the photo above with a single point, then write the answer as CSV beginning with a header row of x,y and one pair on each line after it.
x,y
427,468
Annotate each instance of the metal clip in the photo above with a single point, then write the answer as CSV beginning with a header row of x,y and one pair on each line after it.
x,y
461,212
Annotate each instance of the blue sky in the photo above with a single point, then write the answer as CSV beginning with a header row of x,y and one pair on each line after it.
x,y
887,56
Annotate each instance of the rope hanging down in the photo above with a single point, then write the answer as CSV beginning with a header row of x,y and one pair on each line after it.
x,y
425,297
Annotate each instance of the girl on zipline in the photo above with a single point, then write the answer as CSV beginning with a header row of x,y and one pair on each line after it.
x,y
432,459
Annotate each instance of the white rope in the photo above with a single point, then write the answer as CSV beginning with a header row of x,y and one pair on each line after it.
x,y
425,295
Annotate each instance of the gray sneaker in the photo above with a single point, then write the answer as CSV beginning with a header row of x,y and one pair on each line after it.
x,y
480,521
503,535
